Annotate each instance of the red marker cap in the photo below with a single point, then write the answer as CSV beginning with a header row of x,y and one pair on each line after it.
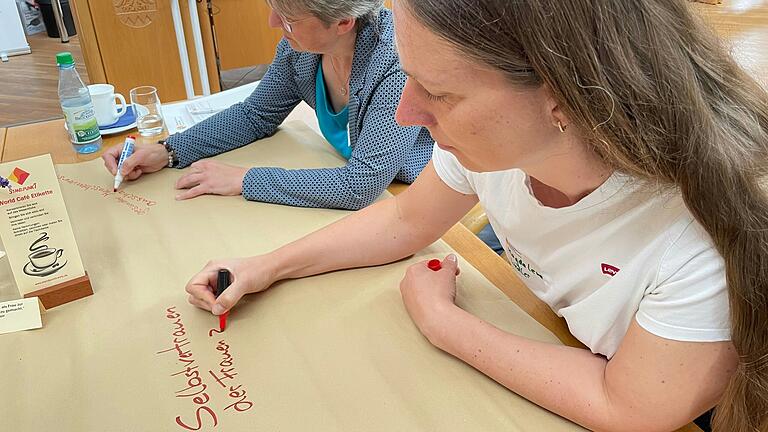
x,y
434,265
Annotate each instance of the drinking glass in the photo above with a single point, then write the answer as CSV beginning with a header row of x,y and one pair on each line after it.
x,y
149,114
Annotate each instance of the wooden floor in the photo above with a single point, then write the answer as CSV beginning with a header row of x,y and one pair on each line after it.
x,y
28,83
743,24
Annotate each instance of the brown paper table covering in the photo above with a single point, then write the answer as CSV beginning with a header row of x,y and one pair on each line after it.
x,y
335,352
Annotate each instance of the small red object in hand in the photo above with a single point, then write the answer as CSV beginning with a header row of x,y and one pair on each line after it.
x,y
434,265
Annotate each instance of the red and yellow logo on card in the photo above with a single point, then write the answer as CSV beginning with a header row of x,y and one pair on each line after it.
x,y
18,176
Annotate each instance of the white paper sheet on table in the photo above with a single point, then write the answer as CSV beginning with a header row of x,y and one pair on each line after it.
x,y
180,116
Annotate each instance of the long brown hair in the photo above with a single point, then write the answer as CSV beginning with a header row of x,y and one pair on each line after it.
x,y
651,89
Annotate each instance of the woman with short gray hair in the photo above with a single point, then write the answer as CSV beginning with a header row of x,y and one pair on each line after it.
x,y
328,11
338,56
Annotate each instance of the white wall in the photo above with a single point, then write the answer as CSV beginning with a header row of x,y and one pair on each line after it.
x,y
12,39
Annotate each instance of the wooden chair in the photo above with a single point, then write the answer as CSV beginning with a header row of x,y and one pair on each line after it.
x,y
475,220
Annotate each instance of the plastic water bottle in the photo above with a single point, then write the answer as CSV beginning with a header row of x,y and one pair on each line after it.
x,y
77,107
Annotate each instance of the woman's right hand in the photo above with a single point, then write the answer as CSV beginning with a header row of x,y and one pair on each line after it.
x,y
247,275
146,158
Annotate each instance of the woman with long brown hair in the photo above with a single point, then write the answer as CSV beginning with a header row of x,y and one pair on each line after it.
x,y
620,154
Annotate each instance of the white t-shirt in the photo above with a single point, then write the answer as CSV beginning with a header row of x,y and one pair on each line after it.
x,y
622,251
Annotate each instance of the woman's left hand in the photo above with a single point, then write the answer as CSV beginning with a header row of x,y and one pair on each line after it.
x,y
430,295
209,177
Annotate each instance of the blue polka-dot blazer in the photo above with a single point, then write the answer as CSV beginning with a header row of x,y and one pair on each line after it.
x,y
381,150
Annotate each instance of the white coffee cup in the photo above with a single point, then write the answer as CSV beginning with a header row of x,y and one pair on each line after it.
x,y
103,97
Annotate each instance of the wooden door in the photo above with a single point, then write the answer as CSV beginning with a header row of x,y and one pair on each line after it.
x,y
129,43
243,35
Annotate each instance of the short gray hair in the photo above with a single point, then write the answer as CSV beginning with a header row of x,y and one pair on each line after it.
x,y
328,11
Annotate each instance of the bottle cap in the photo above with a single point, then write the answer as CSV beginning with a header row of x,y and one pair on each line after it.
x,y
64,58
434,265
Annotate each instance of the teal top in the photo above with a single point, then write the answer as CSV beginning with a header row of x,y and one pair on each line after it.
x,y
332,125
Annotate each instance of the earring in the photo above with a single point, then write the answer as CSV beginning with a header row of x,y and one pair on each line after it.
x,y
561,127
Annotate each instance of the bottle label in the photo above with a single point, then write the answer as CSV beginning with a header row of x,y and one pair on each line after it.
x,y
81,122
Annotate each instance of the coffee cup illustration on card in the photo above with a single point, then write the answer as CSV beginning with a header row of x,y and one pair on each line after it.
x,y
43,259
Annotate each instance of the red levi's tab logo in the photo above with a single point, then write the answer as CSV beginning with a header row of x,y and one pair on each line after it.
x,y
609,269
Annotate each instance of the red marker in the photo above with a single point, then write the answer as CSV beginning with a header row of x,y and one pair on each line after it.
x,y
221,284
434,265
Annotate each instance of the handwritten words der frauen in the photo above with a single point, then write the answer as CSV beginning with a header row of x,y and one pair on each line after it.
x,y
194,387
